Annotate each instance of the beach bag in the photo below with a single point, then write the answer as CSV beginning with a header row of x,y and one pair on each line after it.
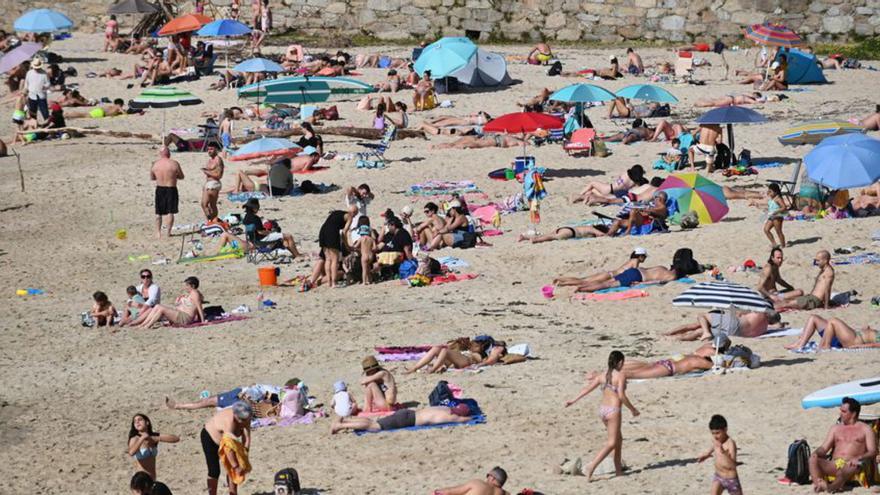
x,y
600,149
555,69
469,240
723,156
441,394
287,482
798,468
408,268
689,220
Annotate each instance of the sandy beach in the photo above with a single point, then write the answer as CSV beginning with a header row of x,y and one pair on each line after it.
x,y
69,392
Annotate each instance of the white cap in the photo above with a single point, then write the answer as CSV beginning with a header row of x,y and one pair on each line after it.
x,y
611,57
775,64
455,204
407,210
640,251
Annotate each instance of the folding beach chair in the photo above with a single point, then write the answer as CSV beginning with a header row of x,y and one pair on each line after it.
x,y
788,186
581,142
266,249
375,156
684,66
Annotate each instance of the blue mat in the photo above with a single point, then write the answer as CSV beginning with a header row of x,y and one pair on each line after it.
x,y
642,286
476,420
767,164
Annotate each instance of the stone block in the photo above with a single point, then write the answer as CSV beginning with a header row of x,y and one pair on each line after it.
x,y
427,4
568,34
747,18
630,32
839,24
336,8
383,5
833,11
864,11
874,20
818,7
864,29
555,20
587,19
645,4
475,25
672,23
655,13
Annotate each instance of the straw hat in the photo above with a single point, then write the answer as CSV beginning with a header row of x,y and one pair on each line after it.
x,y
37,63
370,363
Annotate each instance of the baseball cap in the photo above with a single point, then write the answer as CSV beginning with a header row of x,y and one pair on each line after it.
x,y
339,386
640,251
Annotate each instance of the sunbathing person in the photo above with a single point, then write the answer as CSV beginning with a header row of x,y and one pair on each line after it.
x,y
485,141
293,56
871,122
567,232
743,99
495,479
634,176
654,213
72,98
644,192
105,110
612,72
479,354
865,203
820,296
380,389
377,60
742,193
404,418
681,364
716,322
622,108
836,333
480,118
636,258
188,308
391,83
255,393
633,276
640,131
538,102
776,80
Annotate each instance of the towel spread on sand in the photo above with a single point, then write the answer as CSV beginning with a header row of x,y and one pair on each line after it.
x,y
784,332
227,445
443,188
231,255
611,296
224,319
453,277
398,357
453,263
858,259
476,420
812,347
402,349
306,419
609,290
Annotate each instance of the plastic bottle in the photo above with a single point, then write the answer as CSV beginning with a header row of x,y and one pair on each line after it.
x,y
260,301
205,394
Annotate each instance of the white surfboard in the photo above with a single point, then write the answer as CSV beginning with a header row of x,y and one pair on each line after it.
x,y
866,391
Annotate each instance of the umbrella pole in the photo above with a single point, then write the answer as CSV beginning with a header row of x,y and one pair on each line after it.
x,y
730,137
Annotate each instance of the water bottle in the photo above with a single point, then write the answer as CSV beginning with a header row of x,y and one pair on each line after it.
x,y
205,394
260,301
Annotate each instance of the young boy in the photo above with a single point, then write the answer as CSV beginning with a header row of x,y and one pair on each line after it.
x,y
133,305
724,450
343,404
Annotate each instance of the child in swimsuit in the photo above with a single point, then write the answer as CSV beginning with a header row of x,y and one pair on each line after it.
x,y
724,450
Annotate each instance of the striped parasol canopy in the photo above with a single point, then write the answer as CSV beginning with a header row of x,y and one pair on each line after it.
x,y
164,97
723,295
772,34
693,192
814,132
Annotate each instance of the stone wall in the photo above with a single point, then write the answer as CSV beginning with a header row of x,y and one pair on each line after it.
x,y
528,20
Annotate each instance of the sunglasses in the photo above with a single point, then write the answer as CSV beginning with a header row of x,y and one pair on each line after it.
x,y
146,275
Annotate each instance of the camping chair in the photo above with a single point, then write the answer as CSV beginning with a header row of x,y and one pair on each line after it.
x,y
375,156
207,68
788,186
210,134
259,251
581,142
684,66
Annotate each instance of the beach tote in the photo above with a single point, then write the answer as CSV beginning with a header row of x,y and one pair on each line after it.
x,y
441,394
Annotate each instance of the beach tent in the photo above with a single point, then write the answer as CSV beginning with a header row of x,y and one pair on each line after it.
x,y
484,69
802,68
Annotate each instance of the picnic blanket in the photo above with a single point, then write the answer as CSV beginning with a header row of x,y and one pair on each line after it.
x,y
224,319
443,188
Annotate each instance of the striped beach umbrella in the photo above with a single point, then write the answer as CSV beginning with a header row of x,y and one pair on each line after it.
x,y
723,295
817,130
772,34
695,193
164,97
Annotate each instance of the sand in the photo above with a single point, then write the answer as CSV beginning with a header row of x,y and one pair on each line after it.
x,y
69,392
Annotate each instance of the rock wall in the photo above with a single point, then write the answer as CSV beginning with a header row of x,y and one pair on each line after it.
x,y
528,20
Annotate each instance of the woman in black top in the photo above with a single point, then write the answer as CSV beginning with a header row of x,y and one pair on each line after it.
x,y
309,138
333,246
255,232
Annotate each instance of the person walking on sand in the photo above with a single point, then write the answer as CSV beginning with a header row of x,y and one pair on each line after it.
x,y
724,450
613,397
166,172
820,296
213,173
234,422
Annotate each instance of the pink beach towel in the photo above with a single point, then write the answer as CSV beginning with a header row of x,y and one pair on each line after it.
x,y
612,296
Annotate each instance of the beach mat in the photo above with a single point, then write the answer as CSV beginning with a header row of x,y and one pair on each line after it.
x,y
784,332
476,420
610,296
218,321
610,290
402,349
312,170
218,257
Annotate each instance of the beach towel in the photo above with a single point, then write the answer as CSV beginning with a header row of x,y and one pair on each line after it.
x,y
812,347
476,420
235,254
610,296
399,357
782,332
858,259
224,319
244,196
442,188
452,263
379,414
759,165
227,445
402,349
306,419
453,277
686,280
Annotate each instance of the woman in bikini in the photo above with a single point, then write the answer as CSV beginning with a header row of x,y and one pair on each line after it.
x,y
566,232
143,443
836,333
613,384
634,176
479,354
681,364
187,309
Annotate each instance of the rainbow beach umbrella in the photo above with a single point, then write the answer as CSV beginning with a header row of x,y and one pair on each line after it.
x,y
693,192
772,34
817,130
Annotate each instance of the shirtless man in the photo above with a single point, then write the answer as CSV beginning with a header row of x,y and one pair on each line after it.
x,y
852,445
632,276
166,172
871,122
405,418
487,141
743,99
634,62
541,54
235,422
495,479
566,232
771,279
380,389
749,325
710,136
820,296
636,258
213,173
106,110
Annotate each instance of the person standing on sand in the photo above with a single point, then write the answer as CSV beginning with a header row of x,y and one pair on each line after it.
x,y
232,422
724,450
213,173
166,172
709,137
36,84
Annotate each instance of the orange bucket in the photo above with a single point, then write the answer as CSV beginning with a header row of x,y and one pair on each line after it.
x,y
268,275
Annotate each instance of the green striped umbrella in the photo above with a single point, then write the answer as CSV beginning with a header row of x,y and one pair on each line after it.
x,y
164,97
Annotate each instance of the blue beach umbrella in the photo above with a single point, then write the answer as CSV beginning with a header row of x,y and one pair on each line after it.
x,y
843,162
730,115
582,93
43,21
647,92
223,27
258,65
445,56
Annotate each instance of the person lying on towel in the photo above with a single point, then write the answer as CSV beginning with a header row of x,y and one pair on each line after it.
x,y
405,418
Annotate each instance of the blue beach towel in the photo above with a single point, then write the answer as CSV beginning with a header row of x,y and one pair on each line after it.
x,y
476,420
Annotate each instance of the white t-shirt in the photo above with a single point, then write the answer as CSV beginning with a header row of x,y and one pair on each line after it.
x,y
153,293
36,83
342,404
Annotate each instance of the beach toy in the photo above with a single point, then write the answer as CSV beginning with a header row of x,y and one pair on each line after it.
x,y
121,234
548,290
268,275
509,174
28,292
866,391
205,394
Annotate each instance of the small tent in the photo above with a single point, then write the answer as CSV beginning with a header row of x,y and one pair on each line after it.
x,y
803,68
484,69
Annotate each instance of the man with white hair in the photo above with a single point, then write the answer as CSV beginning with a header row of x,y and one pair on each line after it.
x,y
236,422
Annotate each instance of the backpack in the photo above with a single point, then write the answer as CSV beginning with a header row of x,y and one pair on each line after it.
x,y
441,395
723,156
555,69
287,479
798,468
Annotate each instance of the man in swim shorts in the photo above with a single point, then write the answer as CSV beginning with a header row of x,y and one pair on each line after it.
x,y
405,418
710,136
632,276
716,322
166,172
213,173
820,296
852,445
99,112
235,422
495,479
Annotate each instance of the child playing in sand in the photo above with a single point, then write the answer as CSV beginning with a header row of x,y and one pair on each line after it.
x,y
103,310
776,210
724,450
133,305
343,404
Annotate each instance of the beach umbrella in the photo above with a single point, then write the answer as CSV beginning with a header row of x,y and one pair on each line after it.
x,y
133,7
184,24
814,132
266,147
258,65
523,122
304,89
723,295
843,162
164,97
647,92
43,21
22,53
224,28
580,94
445,56
731,114
695,193
771,34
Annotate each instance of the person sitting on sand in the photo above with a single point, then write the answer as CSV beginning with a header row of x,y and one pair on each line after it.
x,y
106,110
743,99
622,108
537,103
541,54
655,212
486,141
776,80
425,231
72,98
640,131
377,60
495,479
187,309
633,276
478,354
852,446
143,443
102,311
404,418
567,232
391,83
820,296
747,324
710,135
456,230
634,62
771,280
293,56
640,193
871,122
634,176
836,333
636,258
612,72
380,389
133,305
